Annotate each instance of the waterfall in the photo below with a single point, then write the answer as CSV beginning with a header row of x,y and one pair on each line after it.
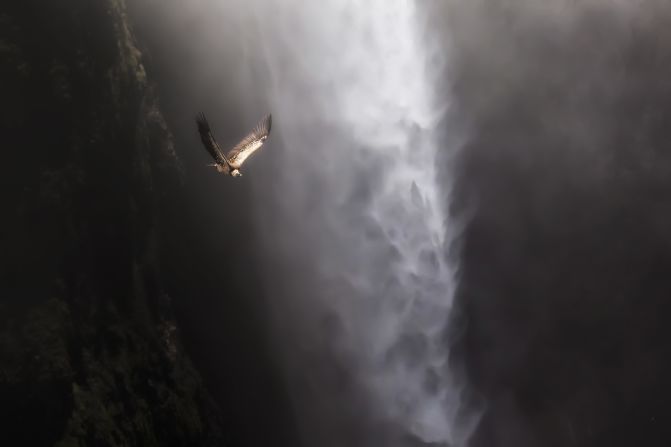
x,y
354,215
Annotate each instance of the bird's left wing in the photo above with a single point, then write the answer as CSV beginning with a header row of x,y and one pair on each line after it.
x,y
208,139
250,143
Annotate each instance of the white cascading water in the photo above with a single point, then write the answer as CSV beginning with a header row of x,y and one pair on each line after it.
x,y
351,87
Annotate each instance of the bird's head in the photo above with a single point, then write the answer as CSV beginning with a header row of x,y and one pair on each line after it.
x,y
236,173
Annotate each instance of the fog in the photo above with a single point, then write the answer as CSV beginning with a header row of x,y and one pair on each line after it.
x,y
359,205
457,200
566,165
351,223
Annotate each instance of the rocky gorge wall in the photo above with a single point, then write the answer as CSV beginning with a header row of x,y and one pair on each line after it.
x,y
89,350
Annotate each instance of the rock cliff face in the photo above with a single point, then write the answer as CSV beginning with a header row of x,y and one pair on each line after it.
x,y
89,353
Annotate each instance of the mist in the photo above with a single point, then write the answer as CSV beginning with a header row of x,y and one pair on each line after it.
x,y
459,221
350,216
565,176
353,87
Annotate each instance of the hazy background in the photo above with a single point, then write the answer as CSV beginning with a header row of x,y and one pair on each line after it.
x,y
565,261
554,139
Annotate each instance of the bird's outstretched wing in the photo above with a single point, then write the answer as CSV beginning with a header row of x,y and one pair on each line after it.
x,y
208,139
250,143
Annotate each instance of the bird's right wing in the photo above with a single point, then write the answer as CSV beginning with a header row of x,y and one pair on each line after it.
x,y
208,139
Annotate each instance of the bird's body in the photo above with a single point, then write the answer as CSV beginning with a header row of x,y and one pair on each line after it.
x,y
230,163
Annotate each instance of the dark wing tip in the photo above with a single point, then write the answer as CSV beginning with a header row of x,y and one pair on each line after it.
x,y
263,127
203,125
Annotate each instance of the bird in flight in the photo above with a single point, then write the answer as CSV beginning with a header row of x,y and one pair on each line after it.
x,y
230,163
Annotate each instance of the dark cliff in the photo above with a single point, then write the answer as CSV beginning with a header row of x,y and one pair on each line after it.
x,y
89,350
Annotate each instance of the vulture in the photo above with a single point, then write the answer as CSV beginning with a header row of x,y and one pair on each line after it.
x,y
231,162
